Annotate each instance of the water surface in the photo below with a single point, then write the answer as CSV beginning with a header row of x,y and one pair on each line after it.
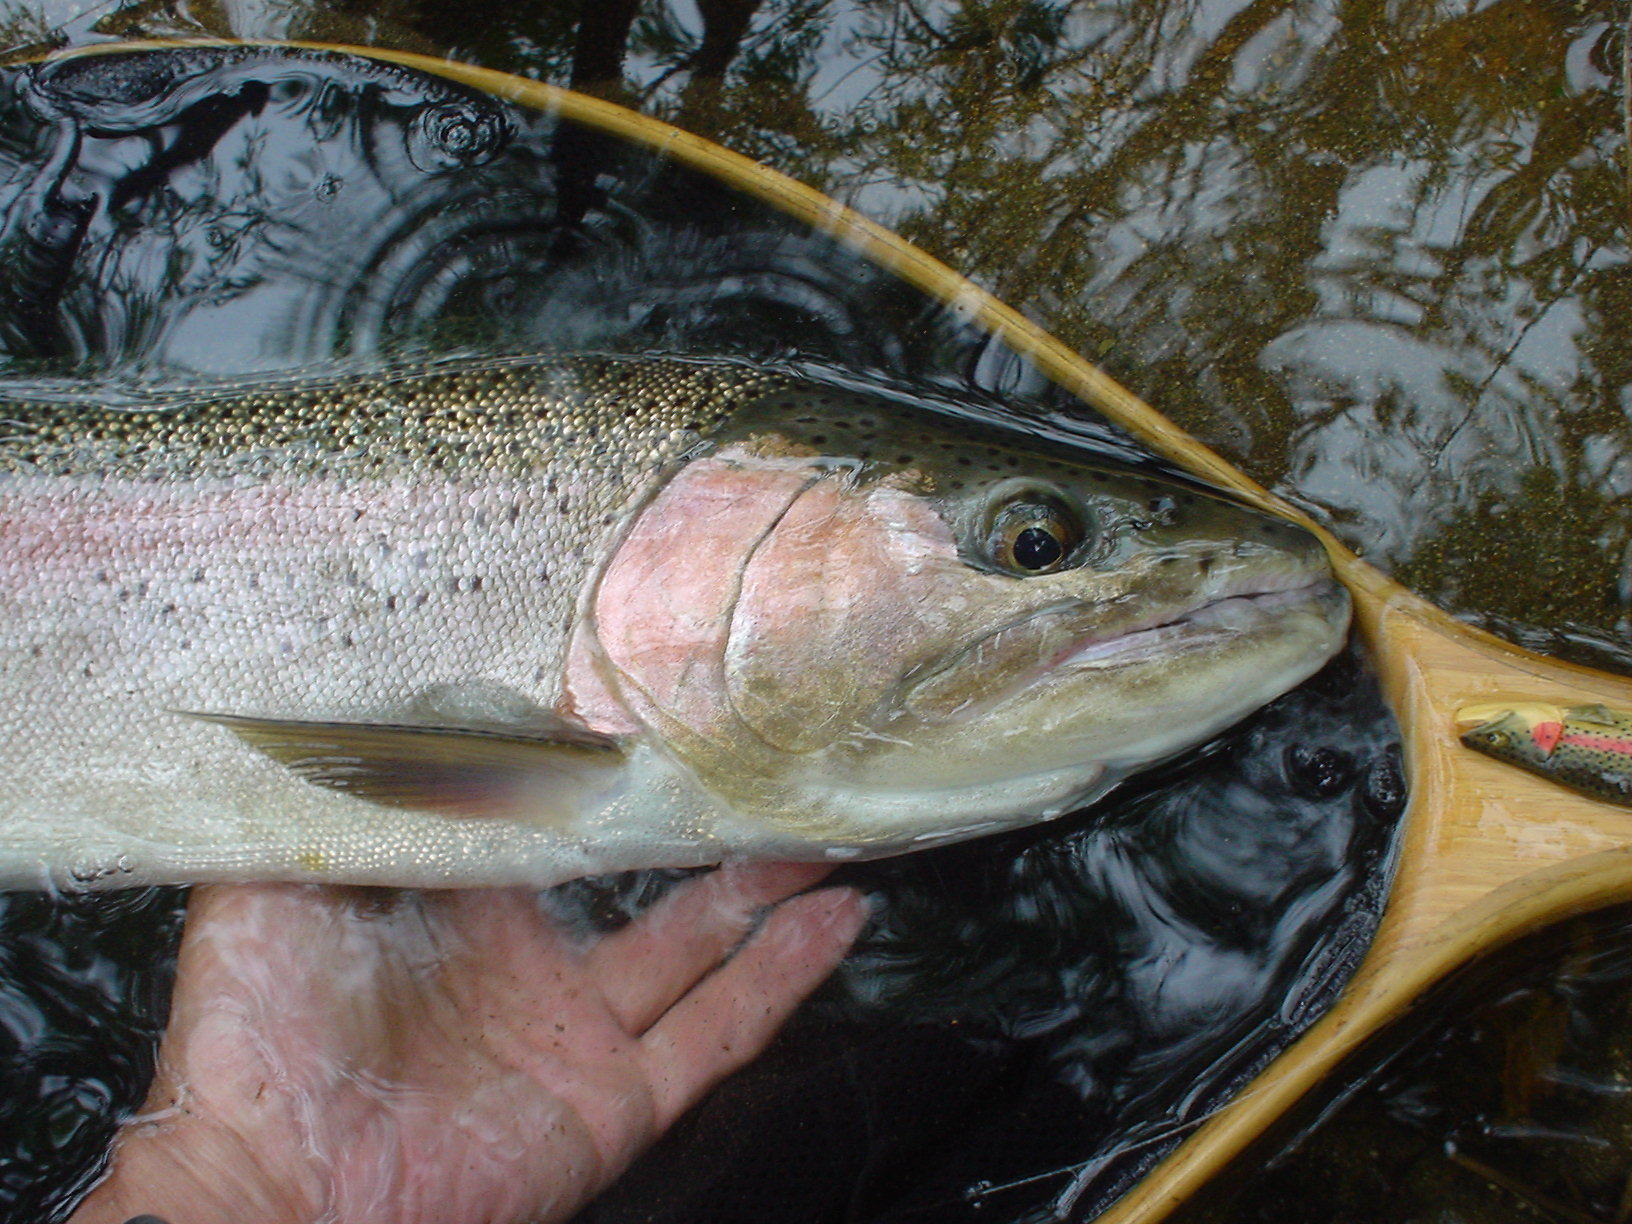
x,y
1373,251
1032,1019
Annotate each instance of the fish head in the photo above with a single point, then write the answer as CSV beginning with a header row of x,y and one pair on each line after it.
x,y
879,636
1520,732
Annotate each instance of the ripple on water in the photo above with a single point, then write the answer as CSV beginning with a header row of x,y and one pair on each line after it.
x,y
1032,1018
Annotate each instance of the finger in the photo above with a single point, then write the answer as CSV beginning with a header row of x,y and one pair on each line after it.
x,y
728,1019
654,960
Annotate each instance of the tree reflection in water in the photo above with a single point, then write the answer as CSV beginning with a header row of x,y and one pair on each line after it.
x,y
1375,252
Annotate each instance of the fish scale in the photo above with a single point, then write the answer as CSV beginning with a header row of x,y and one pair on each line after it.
x,y
513,622
500,416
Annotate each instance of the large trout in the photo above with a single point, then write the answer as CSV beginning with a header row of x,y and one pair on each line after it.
x,y
521,622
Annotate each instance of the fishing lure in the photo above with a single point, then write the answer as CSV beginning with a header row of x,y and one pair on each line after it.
x,y
1587,748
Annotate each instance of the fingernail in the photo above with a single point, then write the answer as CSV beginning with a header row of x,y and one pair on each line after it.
x,y
843,906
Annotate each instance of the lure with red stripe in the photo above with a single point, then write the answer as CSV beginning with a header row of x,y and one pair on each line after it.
x,y
1587,748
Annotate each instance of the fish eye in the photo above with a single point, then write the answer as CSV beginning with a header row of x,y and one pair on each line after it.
x,y
1033,536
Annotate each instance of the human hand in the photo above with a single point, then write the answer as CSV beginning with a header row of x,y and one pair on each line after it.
x,y
350,1054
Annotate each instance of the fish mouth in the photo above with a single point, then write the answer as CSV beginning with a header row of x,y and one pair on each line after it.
x,y
1070,638
1228,617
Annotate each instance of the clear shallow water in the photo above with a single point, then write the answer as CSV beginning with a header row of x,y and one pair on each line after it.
x,y
1034,1018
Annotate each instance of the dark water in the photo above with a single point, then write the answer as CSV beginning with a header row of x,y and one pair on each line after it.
x,y
1505,1098
84,990
1374,250
1033,1018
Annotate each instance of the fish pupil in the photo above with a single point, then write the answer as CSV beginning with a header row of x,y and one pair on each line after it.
x,y
1037,548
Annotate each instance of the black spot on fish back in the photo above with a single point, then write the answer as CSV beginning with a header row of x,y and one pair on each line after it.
x,y
1594,771
507,416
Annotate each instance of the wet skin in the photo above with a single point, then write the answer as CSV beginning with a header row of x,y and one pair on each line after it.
x,y
350,1054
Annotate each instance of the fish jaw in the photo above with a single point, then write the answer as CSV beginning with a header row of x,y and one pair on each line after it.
x,y
1066,685
856,686
1076,637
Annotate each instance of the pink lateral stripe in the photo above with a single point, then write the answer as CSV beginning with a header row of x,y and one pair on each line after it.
x,y
1599,743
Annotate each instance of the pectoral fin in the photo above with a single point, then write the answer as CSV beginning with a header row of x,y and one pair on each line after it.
x,y
456,771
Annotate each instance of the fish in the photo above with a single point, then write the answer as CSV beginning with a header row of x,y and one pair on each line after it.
x,y
1587,748
522,621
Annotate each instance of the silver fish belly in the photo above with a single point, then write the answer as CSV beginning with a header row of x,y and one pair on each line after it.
x,y
520,622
